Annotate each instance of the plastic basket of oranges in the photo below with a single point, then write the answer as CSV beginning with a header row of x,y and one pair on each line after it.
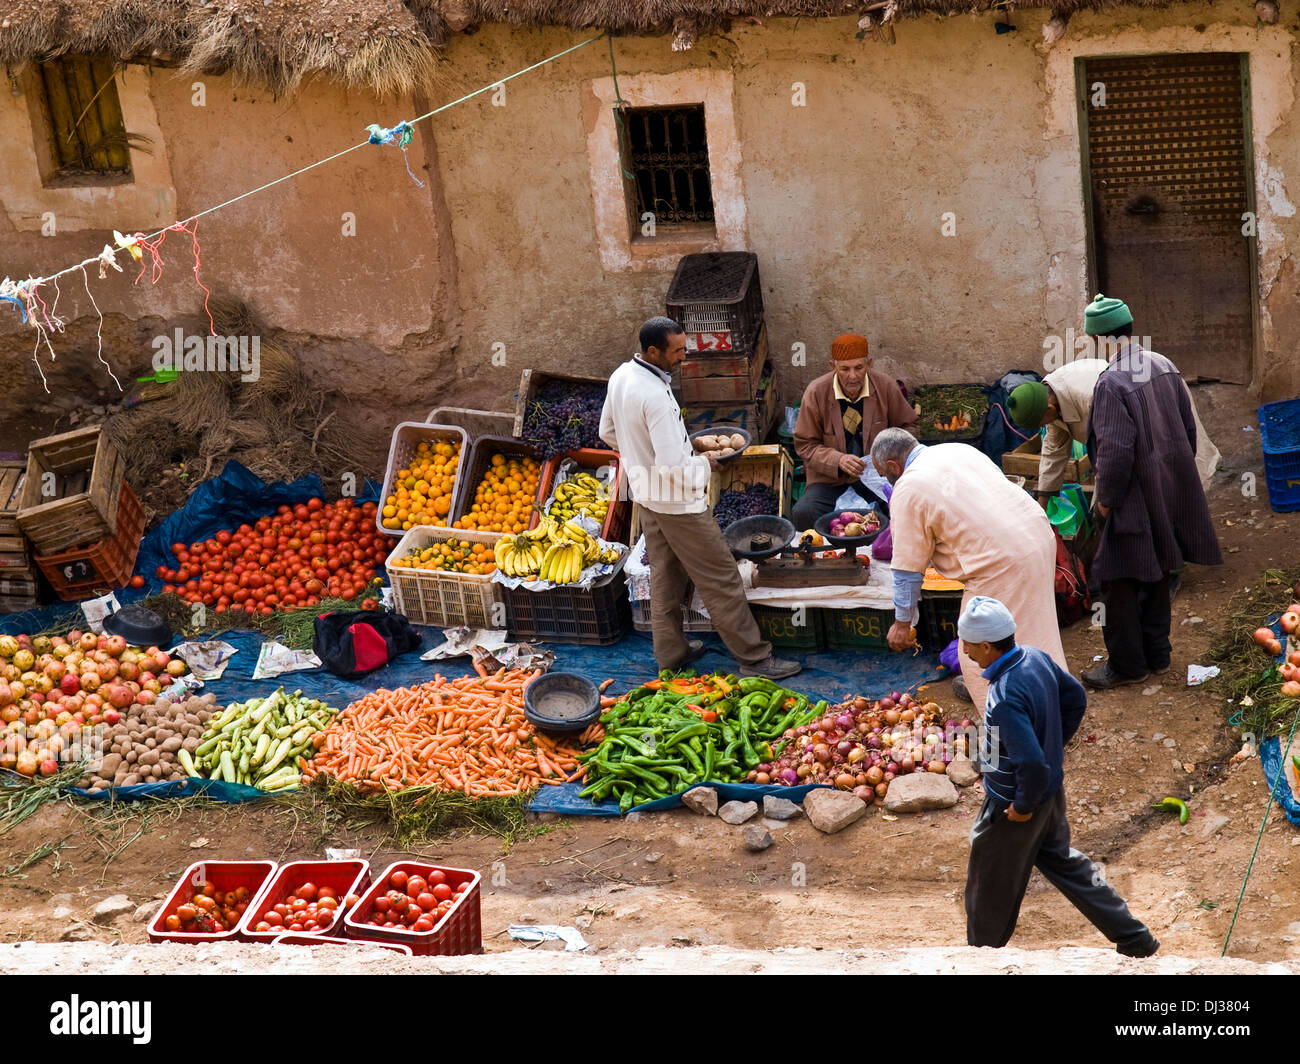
x,y
502,481
423,476
445,579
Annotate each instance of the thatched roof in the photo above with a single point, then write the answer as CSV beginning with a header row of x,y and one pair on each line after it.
x,y
391,45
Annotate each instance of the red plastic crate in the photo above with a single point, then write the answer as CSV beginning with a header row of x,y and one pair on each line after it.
x,y
459,932
298,938
346,877
99,567
225,875
619,515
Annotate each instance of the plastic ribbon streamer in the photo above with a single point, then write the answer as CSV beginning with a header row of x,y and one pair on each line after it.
x,y
33,311
400,135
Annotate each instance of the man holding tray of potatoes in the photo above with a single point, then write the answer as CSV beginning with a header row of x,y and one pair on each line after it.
x,y
669,480
839,417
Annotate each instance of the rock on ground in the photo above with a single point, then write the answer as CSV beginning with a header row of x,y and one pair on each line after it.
x,y
779,808
919,792
830,811
757,838
111,908
963,772
703,800
737,812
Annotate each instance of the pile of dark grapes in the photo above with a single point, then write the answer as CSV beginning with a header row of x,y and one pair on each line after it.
x,y
564,416
756,499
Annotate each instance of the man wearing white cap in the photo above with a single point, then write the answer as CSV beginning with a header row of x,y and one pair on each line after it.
x,y
1032,710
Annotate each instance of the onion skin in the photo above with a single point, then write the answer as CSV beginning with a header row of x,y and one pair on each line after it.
x,y
763,777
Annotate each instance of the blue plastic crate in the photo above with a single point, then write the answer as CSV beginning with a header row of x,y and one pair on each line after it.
x,y
1279,436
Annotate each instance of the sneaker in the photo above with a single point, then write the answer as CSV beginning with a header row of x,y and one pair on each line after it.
x,y
1142,947
694,651
959,689
1160,671
1103,678
772,667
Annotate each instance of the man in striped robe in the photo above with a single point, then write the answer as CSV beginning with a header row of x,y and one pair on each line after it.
x,y
1142,442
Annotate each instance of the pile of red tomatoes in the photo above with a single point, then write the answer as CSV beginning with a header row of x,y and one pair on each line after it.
x,y
309,908
416,902
294,557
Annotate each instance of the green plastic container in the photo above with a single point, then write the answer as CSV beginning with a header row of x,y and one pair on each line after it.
x,y
857,628
778,627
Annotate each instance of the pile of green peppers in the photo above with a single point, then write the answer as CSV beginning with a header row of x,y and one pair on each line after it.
x,y
681,730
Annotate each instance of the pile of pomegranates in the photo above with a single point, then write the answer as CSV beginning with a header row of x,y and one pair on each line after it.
x,y
861,746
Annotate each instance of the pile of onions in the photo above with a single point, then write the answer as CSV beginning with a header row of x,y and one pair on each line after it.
x,y
862,747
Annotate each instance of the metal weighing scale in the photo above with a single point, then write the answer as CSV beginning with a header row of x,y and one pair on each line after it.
x,y
766,541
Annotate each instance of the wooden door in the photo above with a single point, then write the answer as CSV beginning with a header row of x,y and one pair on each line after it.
x,y
1166,158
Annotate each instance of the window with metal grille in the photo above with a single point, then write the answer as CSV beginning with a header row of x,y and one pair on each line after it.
x,y
87,135
667,154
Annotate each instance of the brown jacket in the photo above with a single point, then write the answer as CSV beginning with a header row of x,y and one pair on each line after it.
x,y
819,432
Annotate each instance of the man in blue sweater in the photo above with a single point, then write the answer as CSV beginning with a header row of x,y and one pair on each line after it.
x,y
1033,709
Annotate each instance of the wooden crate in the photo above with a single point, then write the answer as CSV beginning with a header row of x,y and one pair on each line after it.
x,y
12,475
724,380
17,593
531,380
1023,462
71,492
764,464
755,417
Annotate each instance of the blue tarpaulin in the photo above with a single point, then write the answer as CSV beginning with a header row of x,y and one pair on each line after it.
x,y
237,496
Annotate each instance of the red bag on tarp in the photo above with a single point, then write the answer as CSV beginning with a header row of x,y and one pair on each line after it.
x,y
351,643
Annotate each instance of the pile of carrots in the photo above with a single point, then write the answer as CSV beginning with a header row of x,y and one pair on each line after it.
x,y
954,423
468,734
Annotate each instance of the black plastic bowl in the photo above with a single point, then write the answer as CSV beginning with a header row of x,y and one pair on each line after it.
x,y
139,626
740,534
562,702
730,430
823,526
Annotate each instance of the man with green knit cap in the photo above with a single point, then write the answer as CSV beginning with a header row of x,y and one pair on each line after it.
x,y
1060,404
1142,437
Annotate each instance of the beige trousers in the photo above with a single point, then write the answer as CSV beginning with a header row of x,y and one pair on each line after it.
x,y
689,547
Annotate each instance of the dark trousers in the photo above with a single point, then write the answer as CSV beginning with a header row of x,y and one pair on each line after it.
x,y
819,499
1002,855
1136,626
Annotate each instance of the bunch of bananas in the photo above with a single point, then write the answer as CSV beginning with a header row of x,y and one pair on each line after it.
x,y
581,493
552,551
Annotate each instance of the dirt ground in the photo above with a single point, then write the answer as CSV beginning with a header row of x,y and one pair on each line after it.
x,y
675,879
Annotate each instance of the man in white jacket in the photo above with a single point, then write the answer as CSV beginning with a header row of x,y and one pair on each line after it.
x,y
642,421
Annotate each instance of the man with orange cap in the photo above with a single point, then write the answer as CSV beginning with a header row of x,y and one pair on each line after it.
x,y
841,413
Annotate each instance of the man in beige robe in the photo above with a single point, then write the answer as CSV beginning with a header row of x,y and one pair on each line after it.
x,y
1061,403
954,509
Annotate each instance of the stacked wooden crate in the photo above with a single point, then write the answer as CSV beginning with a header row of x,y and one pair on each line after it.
x,y
17,576
726,378
82,520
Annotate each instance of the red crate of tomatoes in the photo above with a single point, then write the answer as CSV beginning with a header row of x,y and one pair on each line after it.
x,y
431,909
307,897
301,939
209,901
296,556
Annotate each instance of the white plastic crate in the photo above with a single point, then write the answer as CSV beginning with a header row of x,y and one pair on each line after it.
x,y
441,599
406,438
692,620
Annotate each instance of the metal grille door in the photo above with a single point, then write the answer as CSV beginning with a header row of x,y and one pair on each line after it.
x,y
1167,163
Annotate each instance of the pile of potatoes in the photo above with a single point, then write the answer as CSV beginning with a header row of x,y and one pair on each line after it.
x,y
720,446
141,747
